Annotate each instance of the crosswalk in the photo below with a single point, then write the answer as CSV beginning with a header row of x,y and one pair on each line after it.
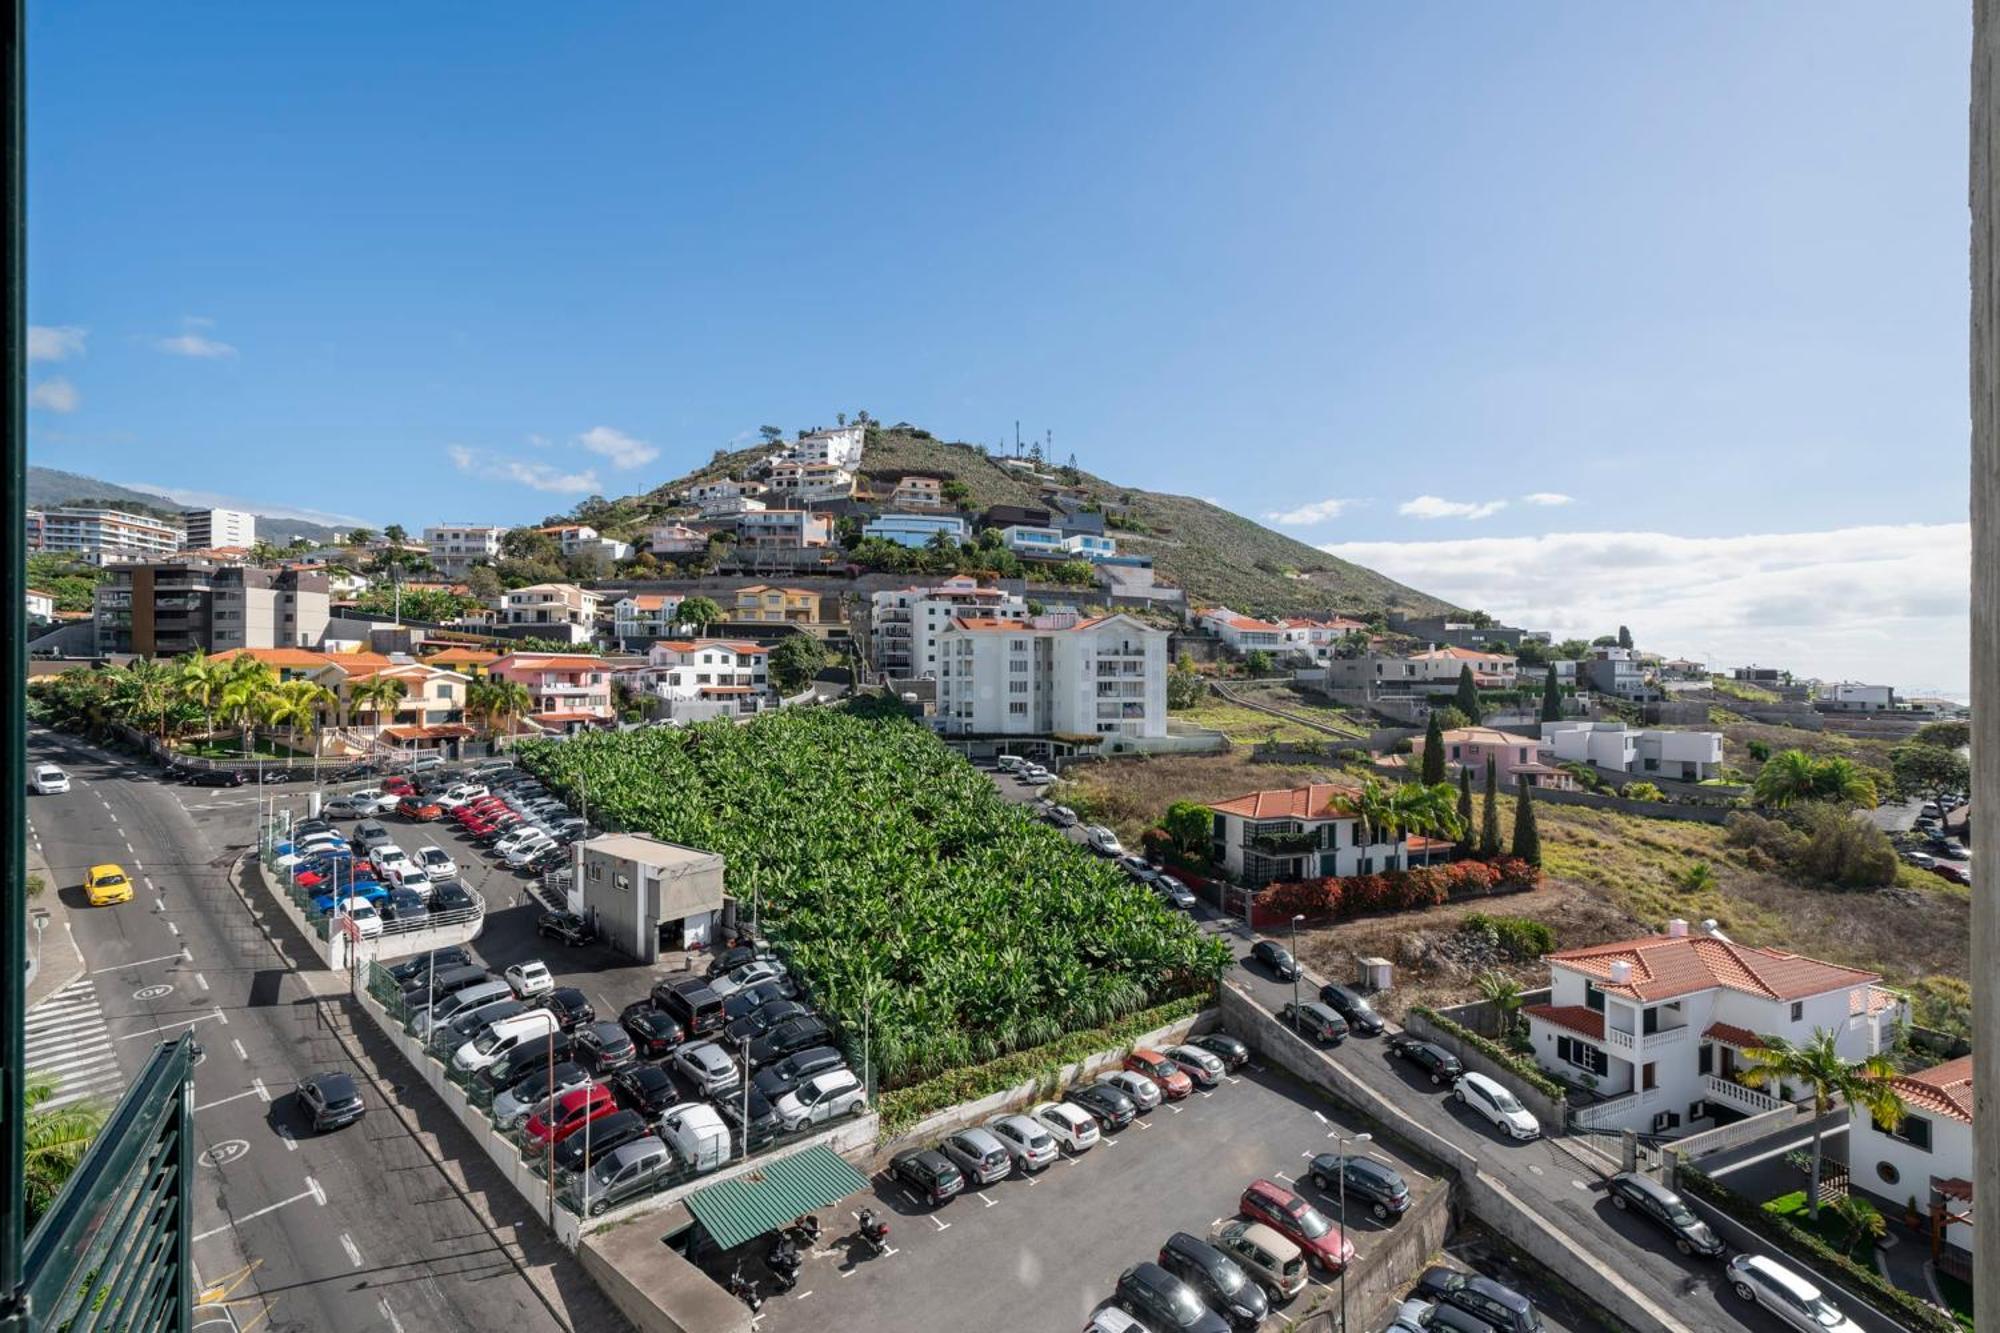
x,y
68,1041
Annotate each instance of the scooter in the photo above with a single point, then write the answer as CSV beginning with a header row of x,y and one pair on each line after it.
x,y
744,1290
783,1261
807,1230
874,1232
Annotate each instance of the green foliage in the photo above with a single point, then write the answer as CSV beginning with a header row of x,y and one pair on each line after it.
x,y
1527,843
1552,707
1519,1066
1927,772
1759,750
1624,637
1695,877
1467,699
1642,791
1522,939
1257,662
1950,735
1489,815
71,582
1817,844
1433,752
1190,826
1464,811
698,613
893,875
796,660
1185,686
1450,717
435,605
54,1141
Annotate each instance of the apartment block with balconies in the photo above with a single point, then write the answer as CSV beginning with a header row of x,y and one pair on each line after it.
x,y
1054,675
904,623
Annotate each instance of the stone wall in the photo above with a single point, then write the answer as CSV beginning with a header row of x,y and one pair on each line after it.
x,y
1384,1271
1697,814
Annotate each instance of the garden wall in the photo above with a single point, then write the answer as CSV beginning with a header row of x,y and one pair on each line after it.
x,y
1697,814
1553,1112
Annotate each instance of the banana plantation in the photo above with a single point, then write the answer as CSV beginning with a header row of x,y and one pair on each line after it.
x,y
909,895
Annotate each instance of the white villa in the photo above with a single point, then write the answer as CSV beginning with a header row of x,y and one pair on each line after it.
x,y
1299,833
1682,756
1928,1157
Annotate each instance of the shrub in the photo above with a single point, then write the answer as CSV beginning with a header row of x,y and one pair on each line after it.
x,y
1519,1066
1759,750
1520,938
1642,791
1818,844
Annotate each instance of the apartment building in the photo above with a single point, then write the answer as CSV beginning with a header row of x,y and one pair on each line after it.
x,y
904,623
168,608
262,608
570,692
575,539
1243,633
729,506
724,488
640,618
209,528
675,539
700,679
1679,756
1053,675
553,610
1622,674
1853,697
1433,671
793,480
429,716
762,604
1309,832
840,446
918,490
104,536
457,547
916,530
1660,1024
783,530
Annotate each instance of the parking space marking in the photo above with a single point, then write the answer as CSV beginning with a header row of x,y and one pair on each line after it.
x,y
201,981
241,1054
1143,1124
939,1222
257,1086
312,1191
285,1133
988,1200
223,1101
389,1313
174,929
353,1250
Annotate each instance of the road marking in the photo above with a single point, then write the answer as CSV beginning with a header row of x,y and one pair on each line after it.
x,y
233,1097
1322,1118
225,1152
241,1054
936,1221
201,981
285,1133
312,1191
1579,1184
1143,1124
1175,1109
353,1250
159,904
178,1023
176,930
988,1200
65,1037
389,1313
257,1086
143,962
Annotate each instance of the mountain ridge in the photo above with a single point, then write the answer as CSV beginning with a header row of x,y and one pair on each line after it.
x,y
54,486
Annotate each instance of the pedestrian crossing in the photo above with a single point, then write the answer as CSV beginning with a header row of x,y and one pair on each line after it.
x,y
68,1041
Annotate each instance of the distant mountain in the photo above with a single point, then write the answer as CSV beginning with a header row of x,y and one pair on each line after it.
x,y
52,486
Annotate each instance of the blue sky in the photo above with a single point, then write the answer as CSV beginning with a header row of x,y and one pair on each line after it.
x,y
1383,271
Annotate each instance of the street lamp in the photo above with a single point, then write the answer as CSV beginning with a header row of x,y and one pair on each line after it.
x,y
1296,918
1340,1142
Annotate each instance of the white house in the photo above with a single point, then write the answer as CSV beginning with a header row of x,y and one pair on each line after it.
x,y
1661,1023
1308,832
1317,639
840,446
1651,752
1243,633
724,488
41,605
1051,675
456,547
582,539
729,506
1089,546
1852,697
1023,539
904,623
675,539
1928,1157
916,530
791,479
700,679
644,616
783,530
554,610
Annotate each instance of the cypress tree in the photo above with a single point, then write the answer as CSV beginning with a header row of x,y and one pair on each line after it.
x,y
1527,842
1552,700
1624,637
1464,812
1468,695
1433,752
1489,818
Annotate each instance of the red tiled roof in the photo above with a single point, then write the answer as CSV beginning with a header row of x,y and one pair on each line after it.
x,y
726,689
1314,801
1953,1187
1458,654
1874,1002
569,717
1575,1017
1944,1089
552,662
1246,623
1664,966
442,732
694,645
1729,1034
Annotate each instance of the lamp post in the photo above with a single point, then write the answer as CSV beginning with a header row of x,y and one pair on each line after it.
x,y
744,1044
1340,1142
1296,918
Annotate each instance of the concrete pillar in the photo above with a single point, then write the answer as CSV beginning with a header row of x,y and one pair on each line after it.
x,y
1670,1166
1628,1150
1985,376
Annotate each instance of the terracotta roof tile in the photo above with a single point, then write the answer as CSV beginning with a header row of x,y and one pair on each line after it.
x,y
1944,1089
1664,966
1315,801
1729,1034
1575,1017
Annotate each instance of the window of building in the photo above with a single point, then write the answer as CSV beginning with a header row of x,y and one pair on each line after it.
x,y
1017,687
1798,1010
1705,1061
1593,997
1017,710
1575,1051
1914,1130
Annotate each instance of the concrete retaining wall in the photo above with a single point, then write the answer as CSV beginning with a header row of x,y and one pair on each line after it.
x,y
1697,814
654,1287
333,953
1694,1147
1383,1272
1552,1112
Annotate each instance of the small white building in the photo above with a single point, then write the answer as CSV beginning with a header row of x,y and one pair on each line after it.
x,y
1023,539
1651,752
728,506
675,539
1243,633
904,623
1853,697
1309,832
646,896
644,617
1929,1156
703,678
1052,675
840,446
41,605
1317,639
457,547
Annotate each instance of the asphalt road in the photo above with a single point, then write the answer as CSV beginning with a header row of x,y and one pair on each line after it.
x,y
354,1230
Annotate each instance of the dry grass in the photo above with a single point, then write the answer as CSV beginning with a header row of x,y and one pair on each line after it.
x,y
1736,738
1130,795
1306,706
1247,726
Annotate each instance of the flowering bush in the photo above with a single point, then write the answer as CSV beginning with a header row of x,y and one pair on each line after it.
x,y
1394,891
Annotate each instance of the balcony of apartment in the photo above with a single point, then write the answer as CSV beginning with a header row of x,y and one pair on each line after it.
x,y
1113,712
1121,689
1749,1101
1121,649
1119,668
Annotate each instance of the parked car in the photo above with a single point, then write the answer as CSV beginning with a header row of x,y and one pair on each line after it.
x,y
1305,1226
530,978
1073,1128
1233,1053
604,1135
1314,1020
763,1019
1353,1006
570,1006
754,1115
1111,1319
1786,1294
708,1067
435,862
821,1098
979,1155
406,906
1376,1185
439,960
1062,816
750,974
1439,1064
1271,1261
534,1087
1176,893
1496,1303
50,780
1949,870
563,1116
1108,1106
1486,1096
1921,860
451,896
933,1176
647,1089
1217,1279
568,927
1172,1081
1103,841
364,916
1026,1140
1166,1303
1204,1067
418,810
1138,869
1632,1192
330,1101
775,1080
693,1003
216,777
1145,1093
728,960
368,835
521,853
795,1034
655,1032
605,1048
626,1172
1276,958
1415,1316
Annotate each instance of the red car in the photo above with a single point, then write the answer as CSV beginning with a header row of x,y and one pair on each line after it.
x,y
1299,1222
472,810
1173,1080
418,809
573,1110
1946,870
398,786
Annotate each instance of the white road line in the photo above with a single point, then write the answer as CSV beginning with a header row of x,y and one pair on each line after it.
x,y
178,1023
176,930
285,1133
143,962
353,1250
940,1223
201,981
1322,1118
241,1054
988,1200
257,1086
159,904
312,1191
389,1313
233,1097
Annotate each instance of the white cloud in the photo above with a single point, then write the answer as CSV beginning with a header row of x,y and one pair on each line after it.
x,y
540,476
55,394
1432,506
193,344
616,445
1548,498
218,500
1317,512
55,342
1886,604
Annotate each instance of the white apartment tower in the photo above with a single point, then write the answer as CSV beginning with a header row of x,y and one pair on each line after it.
x,y
1052,675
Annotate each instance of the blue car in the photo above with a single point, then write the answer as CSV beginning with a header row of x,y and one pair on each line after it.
x,y
367,890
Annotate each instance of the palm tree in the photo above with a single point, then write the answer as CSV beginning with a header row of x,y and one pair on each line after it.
x,y
1785,779
1504,994
376,693
200,678
1818,1064
55,1139
244,690
295,705
1696,877
1426,808
1838,779
1376,809
145,695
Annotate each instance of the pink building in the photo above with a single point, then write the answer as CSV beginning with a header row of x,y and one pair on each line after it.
x,y
570,691
1517,758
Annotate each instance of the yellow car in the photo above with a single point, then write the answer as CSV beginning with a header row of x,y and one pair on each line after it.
x,y
107,884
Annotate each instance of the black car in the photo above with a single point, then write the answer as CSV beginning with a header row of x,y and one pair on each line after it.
x,y
728,960
549,858
1501,1306
450,896
568,927
1233,1053
215,777
604,1048
306,827
935,1177
409,972
330,1100
794,1034
763,1018
1442,1066
774,1081
1656,1203
1110,1108
1217,1279
599,1137
647,1089
1353,1006
1276,957
1314,1020
654,1031
753,998
569,1005
353,773
1366,1181
1164,1302
764,1124
534,1084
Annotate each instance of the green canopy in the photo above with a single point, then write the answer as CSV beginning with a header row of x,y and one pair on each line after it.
x,y
746,1206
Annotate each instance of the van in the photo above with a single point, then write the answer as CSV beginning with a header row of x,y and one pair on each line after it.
x,y
557,1046
1273,1263
697,1135
447,981
499,1039
632,1169
460,1002
1010,763
693,1002
469,1024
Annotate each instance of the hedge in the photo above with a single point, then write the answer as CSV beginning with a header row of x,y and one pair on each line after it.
x,y
906,1106
1520,1066
1339,898
1816,1254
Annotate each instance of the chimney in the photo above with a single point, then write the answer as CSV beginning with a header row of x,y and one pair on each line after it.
x,y
1621,973
1677,929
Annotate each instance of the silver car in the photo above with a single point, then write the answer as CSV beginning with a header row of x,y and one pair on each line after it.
x,y
534,1093
983,1158
1030,1145
708,1066
1145,1093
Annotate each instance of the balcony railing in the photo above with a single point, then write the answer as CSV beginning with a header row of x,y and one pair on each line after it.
x,y
1620,1041
1667,1036
1747,1100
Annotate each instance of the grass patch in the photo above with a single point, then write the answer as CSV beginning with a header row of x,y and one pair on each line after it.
x,y
1292,701
1246,726
1130,795
216,747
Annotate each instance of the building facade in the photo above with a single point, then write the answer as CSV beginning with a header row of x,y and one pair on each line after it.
x,y
210,528
1052,676
1678,756
783,530
1308,832
646,896
169,608
552,610
1516,759
1852,697
675,539
640,618
916,530
904,623
569,692
699,679
455,548
1926,1157
105,536
1245,634
840,446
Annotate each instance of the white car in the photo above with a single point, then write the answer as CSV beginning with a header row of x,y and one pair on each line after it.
x,y
746,976
389,856
1111,1319
528,849
516,838
837,1092
708,1067
1074,1128
363,914
455,797
50,781
1795,1301
1103,841
1490,1099
436,863
1027,1141
510,1110
1145,1093
1036,776
530,978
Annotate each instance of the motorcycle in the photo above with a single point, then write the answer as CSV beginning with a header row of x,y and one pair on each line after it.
x,y
783,1260
807,1230
744,1290
874,1232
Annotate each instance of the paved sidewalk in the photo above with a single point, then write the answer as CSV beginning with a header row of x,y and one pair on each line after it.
x,y
57,960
